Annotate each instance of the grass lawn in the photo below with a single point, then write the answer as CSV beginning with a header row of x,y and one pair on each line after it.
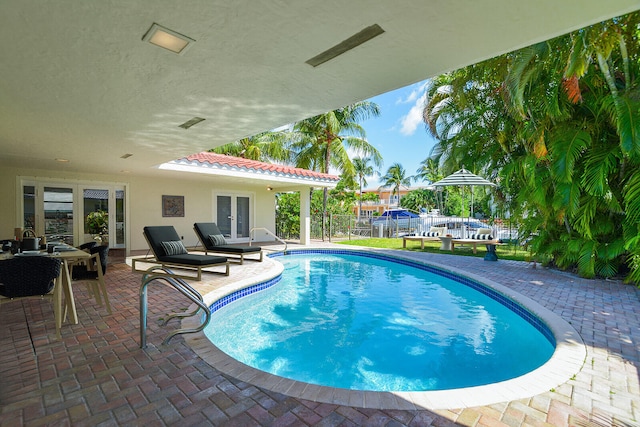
x,y
512,252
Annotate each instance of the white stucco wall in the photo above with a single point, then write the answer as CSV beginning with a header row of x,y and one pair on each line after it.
x,y
145,202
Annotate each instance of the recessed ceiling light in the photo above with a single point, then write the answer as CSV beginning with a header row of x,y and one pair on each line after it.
x,y
346,45
167,39
62,160
192,122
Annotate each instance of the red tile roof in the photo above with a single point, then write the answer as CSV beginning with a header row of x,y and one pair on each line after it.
x,y
252,166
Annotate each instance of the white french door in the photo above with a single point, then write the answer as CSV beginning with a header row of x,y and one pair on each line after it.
x,y
233,215
58,210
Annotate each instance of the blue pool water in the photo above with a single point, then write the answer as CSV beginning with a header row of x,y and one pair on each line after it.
x,y
365,323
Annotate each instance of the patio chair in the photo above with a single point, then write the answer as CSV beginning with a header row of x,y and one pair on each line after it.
x,y
30,277
92,273
88,245
169,251
213,241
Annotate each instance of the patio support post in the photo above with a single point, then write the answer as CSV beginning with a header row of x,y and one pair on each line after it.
x,y
305,218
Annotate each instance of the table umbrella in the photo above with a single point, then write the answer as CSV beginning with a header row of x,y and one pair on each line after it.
x,y
463,178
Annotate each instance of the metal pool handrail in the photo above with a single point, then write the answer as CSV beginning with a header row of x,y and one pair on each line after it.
x,y
163,273
269,233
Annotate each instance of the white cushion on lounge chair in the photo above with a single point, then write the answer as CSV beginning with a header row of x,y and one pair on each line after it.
x,y
481,237
482,234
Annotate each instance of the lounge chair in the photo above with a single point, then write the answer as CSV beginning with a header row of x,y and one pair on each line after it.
x,y
169,251
433,234
482,237
213,241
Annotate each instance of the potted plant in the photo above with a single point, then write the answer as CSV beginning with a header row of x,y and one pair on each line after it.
x,y
98,225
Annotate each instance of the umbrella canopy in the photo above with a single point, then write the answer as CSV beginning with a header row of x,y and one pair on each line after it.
x,y
461,178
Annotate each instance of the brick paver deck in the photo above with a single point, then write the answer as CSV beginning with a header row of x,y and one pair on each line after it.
x,y
97,375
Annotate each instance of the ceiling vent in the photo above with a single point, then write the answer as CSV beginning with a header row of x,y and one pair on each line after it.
x,y
346,45
192,122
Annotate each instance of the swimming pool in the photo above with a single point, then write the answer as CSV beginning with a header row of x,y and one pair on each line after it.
x,y
365,322
567,359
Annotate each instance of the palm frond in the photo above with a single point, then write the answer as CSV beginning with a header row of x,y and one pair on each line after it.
x,y
628,114
566,147
600,162
586,259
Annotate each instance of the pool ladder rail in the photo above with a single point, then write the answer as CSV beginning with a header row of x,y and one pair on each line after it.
x,y
156,273
269,233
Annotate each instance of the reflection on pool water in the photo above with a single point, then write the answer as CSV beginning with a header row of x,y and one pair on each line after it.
x,y
369,323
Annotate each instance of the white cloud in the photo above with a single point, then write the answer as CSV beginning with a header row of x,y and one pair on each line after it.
x,y
411,120
417,92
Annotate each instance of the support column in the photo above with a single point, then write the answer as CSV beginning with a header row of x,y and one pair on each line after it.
x,y
305,217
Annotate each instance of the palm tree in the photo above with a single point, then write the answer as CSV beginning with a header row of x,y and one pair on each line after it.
x,y
428,171
396,177
264,147
362,169
321,142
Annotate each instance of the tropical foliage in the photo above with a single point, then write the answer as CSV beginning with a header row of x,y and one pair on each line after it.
x,y
340,202
264,147
97,223
557,125
419,199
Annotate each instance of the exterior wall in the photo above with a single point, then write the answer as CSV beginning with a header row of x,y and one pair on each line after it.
x,y
145,202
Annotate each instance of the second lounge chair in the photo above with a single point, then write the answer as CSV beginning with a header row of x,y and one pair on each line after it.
x,y
213,241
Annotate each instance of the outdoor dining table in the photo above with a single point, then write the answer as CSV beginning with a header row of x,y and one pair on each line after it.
x,y
67,254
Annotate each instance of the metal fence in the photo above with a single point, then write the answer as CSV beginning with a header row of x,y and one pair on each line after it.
x,y
341,227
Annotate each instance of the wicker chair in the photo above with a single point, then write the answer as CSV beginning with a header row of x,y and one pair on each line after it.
x,y
92,272
29,277
88,245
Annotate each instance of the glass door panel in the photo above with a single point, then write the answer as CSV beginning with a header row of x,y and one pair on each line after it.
x,y
223,215
242,217
120,223
112,202
94,200
58,214
29,207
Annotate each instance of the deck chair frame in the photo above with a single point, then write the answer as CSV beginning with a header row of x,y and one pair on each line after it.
x,y
192,262
235,252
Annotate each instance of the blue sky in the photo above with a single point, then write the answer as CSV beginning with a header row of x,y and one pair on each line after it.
x,y
399,133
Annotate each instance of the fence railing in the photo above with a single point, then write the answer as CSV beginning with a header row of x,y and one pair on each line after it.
x,y
340,227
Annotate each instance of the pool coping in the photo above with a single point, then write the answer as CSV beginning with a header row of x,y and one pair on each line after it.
x,y
566,361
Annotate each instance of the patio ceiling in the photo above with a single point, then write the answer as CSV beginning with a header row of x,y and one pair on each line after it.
x,y
79,83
